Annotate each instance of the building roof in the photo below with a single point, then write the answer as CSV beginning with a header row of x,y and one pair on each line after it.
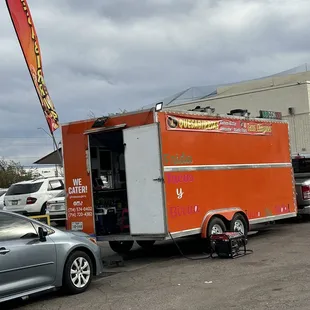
x,y
50,159
201,92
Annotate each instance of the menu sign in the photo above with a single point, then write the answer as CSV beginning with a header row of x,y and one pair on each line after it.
x,y
237,126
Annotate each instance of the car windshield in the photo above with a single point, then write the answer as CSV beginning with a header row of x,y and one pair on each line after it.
x,y
61,194
21,189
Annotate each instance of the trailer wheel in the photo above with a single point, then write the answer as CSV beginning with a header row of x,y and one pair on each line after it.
x,y
121,247
146,244
239,223
216,226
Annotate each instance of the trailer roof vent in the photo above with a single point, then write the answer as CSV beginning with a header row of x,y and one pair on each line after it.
x,y
207,109
291,111
100,122
239,112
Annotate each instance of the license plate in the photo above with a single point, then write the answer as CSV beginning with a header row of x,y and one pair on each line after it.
x,y
77,225
14,202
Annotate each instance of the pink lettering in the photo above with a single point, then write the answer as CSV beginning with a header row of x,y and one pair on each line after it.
x,y
183,210
173,211
179,178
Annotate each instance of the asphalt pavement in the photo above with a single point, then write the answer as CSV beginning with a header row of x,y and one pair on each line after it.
x,y
275,276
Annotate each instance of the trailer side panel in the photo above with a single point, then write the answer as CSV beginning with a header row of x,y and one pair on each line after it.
x,y
207,168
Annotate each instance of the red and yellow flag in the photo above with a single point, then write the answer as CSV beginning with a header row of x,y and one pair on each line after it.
x,y
28,40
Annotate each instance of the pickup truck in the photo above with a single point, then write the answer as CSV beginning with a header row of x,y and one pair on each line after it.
x,y
301,166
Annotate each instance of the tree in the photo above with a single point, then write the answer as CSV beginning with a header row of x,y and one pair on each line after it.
x,y
12,172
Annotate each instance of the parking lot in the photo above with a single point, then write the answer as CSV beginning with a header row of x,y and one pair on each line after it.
x,y
275,276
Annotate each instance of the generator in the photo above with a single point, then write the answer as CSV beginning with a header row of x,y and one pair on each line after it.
x,y
228,245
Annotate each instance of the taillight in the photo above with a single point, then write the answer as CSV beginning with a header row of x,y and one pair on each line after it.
x,y
305,189
31,200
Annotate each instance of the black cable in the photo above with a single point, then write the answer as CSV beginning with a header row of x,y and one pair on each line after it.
x,y
247,251
185,256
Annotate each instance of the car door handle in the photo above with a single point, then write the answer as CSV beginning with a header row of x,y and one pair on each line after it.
x,y
4,251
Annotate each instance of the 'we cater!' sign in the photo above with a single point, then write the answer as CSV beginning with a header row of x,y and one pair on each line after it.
x,y
79,207
77,188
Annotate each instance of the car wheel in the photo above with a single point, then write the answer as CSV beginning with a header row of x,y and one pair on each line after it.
x,y
78,273
121,247
43,209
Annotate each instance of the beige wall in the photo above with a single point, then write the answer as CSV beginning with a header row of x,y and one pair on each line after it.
x,y
299,126
275,99
264,83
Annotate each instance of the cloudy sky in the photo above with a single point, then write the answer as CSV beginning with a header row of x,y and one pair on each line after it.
x,y
103,56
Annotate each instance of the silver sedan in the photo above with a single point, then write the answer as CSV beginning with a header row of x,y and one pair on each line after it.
x,y
35,257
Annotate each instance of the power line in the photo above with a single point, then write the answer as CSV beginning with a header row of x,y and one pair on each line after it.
x,y
28,144
28,138
21,157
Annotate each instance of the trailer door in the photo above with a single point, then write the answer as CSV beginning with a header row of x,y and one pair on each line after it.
x,y
144,178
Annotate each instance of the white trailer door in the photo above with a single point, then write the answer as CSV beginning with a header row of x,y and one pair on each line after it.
x,y
144,175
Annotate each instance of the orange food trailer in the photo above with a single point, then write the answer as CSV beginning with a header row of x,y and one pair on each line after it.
x,y
156,175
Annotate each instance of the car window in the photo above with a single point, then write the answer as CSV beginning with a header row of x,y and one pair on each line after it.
x,y
21,189
13,227
2,193
61,194
55,185
36,225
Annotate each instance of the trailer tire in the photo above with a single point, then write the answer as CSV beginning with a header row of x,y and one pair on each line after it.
x,y
216,226
121,247
239,223
146,244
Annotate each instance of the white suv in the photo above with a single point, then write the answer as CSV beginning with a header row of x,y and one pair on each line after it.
x,y
30,197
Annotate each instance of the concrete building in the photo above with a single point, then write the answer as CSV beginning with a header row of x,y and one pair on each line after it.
x,y
287,92
45,171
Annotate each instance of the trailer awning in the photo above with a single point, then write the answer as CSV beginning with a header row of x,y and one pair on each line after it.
x,y
104,129
50,159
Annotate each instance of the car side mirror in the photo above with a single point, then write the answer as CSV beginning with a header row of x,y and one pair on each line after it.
x,y
42,233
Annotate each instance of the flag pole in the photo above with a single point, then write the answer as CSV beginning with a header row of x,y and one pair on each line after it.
x,y
57,149
51,134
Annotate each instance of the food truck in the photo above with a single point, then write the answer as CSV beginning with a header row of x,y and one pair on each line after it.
x,y
164,174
